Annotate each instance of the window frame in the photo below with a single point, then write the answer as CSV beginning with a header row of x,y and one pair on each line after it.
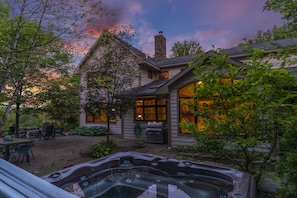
x,y
164,75
100,117
150,109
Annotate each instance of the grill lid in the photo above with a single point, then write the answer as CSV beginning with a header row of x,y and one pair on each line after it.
x,y
155,125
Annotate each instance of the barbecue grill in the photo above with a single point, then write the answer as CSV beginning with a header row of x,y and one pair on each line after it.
x,y
155,132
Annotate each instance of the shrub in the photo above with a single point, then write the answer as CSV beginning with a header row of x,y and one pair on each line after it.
x,y
89,131
103,148
288,160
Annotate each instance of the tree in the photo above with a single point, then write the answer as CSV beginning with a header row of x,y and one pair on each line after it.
x,y
288,159
31,35
116,69
60,102
289,28
287,166
274,34
288,9
185,48
241,109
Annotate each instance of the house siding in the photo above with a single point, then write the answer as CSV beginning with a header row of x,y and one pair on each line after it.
x,y
145,79
128,130
173,72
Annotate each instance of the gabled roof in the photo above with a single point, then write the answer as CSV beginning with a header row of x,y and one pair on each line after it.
x,y
147,60
134,50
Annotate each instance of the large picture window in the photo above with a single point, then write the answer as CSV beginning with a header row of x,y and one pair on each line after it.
x,y
151,109
187,107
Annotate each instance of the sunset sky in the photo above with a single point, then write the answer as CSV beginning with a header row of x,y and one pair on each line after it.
x,y
222,23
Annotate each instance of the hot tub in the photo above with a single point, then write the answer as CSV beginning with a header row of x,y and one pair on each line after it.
x,y
131,174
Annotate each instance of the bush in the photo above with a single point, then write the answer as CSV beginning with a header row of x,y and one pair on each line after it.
x,y
103,148
288,160
89,131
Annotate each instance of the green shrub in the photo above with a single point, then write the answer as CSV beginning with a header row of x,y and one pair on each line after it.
x,y
103,148
288,160
89,131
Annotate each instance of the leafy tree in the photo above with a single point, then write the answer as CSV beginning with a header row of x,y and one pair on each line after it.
x,y
289,28
287,168
31,35
276,33
185,48
116,69
59,100
288,9
245,110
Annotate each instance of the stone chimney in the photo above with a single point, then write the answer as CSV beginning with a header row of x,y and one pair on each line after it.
x,y
160,46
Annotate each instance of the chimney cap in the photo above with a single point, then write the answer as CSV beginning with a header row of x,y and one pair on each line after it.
x,y
160,32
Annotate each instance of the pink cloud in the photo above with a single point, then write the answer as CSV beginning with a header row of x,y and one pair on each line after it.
x,y
228,10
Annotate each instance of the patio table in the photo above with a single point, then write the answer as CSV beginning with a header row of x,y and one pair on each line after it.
x,y
13,142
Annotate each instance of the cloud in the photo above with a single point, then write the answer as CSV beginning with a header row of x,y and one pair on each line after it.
x,y
227,11
145,38
213,22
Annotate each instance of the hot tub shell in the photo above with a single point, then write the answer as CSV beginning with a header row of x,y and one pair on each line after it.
x,y
239,184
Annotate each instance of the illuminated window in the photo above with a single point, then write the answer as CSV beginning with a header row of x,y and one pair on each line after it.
x,y
187,107
100,116
151,110
164,75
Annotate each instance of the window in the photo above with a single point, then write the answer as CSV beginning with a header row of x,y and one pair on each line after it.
x,y
92,79
100,116
151,109
150,74
187,108
164,75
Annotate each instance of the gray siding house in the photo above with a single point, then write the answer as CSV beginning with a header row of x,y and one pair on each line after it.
x,y
162,82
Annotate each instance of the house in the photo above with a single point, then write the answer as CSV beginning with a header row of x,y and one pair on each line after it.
x,y
162,83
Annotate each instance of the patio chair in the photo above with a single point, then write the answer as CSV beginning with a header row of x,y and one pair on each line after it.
x,y
48,132
22,150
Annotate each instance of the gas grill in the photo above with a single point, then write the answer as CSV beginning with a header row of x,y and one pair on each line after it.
x,y
155,132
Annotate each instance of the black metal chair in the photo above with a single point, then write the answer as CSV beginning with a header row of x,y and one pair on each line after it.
x,y
48,132
22,150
